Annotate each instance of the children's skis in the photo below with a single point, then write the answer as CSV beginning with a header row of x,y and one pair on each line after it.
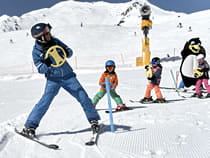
x,y
114,111
50,146
152,102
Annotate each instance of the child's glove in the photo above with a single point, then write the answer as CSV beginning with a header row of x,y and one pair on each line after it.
x,y
197,72
103,85
148,71
112,87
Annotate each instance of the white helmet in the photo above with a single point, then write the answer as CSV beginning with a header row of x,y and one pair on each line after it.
x,y
200,56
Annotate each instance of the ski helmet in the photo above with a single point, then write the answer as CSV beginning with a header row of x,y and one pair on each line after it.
x,y
155,60
200,56
38,31
109,63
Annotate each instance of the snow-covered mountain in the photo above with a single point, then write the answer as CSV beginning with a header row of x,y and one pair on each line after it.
x,y
179,129
75,13
99,20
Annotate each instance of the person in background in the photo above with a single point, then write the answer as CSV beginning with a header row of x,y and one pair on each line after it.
x,y
181,87
113,81
56,77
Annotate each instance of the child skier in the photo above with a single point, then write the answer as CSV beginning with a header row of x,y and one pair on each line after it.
x,y
201,72
113,80
57,77
153,74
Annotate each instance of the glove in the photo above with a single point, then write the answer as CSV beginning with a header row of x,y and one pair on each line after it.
x,y
197,72
148,71
112,87
48,62
146,67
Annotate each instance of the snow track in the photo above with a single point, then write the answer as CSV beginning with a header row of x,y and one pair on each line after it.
x,y
179,129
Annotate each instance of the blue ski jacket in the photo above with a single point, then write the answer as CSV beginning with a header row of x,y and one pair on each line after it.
x,y
65,71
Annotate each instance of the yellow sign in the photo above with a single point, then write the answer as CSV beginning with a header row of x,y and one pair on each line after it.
x,y
59,60
139,61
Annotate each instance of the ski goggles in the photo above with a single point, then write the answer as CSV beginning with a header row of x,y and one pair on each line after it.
x,y
155,62
110,68
45,37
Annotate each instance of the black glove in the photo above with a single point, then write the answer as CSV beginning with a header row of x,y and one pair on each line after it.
x,y
146,67
48,62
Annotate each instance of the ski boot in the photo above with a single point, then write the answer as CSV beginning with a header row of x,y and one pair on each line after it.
x,y
182,90
200,96
161,100
197,95
95,126
146,100
208,95
194,95
29,132
121,107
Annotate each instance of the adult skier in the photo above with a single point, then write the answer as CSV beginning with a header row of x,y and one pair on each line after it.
x,y
49,57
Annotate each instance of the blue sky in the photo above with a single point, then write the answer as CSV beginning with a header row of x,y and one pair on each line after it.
x,y
187,6
19,7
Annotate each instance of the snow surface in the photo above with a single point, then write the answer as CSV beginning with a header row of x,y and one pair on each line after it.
x,y
179,129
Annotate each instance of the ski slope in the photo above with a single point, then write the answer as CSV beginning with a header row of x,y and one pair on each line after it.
x,y
179,129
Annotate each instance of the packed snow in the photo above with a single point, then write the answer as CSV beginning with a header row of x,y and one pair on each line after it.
x,y
179,129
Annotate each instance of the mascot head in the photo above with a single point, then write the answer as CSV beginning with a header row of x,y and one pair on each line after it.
x,y
191,50
194,45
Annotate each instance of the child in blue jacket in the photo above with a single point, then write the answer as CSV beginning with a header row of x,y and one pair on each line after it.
x,y
49,57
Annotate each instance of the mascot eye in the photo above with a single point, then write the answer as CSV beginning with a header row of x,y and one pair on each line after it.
x,y
192,42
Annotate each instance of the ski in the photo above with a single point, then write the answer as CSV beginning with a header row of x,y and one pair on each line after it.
x,y
50,146
114,111
184,90
94,138
203,97
153,102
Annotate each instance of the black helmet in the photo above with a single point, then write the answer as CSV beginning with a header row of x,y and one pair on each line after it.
x,y
40,29
155,60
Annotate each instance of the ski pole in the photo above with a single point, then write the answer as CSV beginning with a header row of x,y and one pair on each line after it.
x,y
174,82
110,105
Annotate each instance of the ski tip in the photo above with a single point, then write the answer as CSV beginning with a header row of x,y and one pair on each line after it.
x,y
53,146
90,143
